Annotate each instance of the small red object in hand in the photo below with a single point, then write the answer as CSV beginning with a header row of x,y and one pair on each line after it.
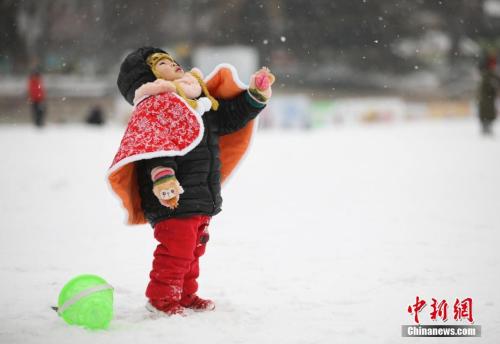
x,y
262,81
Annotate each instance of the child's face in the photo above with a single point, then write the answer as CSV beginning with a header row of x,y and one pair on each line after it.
x,y
169,70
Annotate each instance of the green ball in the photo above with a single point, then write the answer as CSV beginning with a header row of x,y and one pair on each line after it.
x,y
87,300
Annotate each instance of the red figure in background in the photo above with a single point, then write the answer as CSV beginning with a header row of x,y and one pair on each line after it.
x,y
36,94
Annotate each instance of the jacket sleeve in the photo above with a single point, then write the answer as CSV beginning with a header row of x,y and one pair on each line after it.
x,y
234,114
149,164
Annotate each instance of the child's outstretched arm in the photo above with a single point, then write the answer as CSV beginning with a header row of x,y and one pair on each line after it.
x,y
235,113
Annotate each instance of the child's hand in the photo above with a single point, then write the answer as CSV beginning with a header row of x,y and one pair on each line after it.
x,y
166,187
261,82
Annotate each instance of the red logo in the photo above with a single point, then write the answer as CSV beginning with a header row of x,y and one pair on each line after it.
x,y
462,309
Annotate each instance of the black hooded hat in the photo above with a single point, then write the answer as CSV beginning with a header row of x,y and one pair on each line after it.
x,y
135,72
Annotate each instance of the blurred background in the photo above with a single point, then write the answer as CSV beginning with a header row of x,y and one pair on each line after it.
x,y
335,61
370,183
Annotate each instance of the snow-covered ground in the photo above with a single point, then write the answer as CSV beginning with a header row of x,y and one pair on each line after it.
x,y
326,236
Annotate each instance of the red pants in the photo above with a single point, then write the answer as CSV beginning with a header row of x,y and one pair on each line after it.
x,y
175,264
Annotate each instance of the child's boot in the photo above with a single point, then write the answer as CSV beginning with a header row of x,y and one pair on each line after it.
x,y
167,307
164,299
197,304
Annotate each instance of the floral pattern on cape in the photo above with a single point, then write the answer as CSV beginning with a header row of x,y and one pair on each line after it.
x,y
162,123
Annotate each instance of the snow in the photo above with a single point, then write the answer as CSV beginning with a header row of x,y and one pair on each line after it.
x,y
326,236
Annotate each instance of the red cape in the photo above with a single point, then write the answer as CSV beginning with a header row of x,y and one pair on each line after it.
x,y
165,125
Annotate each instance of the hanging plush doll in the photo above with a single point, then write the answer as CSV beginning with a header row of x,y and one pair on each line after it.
x,y
184,139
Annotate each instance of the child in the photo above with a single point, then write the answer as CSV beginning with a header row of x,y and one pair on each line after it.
x,y
172,161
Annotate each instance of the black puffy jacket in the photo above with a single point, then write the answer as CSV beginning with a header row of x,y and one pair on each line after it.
x,y
199,171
